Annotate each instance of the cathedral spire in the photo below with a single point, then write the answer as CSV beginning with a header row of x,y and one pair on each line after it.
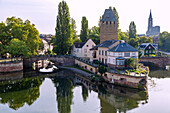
x,y
150,16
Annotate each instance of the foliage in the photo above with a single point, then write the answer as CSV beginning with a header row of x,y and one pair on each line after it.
x,y
73,30
24,31
18,48
63,39
159,53
49,52
102,69
94,34
84,29
116,15
133,42
139,53
131,63
84,93
164,41
132,30
144,39
123,35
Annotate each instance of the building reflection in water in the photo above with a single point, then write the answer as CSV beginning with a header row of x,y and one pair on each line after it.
x,y
113,99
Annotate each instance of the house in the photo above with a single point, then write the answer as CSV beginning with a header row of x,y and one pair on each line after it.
x,y
118,54
100,51
148,49
82,49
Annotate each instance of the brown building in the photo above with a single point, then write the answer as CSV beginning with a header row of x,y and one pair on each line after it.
x,y
108,26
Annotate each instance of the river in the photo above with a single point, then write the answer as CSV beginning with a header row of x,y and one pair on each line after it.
x,y
68,92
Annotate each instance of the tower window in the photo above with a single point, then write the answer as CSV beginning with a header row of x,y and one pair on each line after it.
x,y
114,22
106,22
110,22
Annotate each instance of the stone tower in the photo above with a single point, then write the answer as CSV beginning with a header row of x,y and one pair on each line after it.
x,y
150,22
108,26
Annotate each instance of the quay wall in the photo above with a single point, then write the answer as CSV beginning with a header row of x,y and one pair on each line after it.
x,y
11,66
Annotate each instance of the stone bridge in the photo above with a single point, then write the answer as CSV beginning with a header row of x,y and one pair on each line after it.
x,y
160,62
58,60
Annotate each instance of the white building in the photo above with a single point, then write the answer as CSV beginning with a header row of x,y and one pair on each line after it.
x,y
82,49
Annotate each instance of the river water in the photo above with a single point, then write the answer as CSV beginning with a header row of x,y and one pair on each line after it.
x,y
67,92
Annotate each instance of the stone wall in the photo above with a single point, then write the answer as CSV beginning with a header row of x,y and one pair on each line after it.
x,y
11,67
126,80
159,61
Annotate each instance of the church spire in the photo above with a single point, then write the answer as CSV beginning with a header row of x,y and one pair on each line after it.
x,y
150,16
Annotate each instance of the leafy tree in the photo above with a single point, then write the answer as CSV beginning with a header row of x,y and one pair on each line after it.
x,y
132,30
24,31
123,35
144,39
133,42
139,54
164,41
94,34
63,39
73,28
18,48
116,15
84,29
131,63
102,69
159,53
49,52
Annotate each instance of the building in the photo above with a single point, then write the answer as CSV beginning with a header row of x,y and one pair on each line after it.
x,y
108,26
118,54
153,31
148,49
82,49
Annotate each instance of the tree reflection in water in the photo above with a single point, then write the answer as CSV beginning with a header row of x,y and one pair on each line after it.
x,y
17,93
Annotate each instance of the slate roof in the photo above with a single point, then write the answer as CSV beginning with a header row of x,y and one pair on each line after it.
x,y
107,43
79,44
144,45
123,47
108,15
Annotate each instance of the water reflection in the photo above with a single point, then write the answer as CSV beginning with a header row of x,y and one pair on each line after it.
x,y
112,99
17,93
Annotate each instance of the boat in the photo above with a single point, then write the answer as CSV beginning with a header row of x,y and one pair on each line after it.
x,y
49,70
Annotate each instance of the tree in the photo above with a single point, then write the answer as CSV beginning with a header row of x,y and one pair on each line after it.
x,y
132,30
144,39
123,35
24,31
131,63
102,69
164,41
73,30
84,29
18,48
133,42
116,15
94,34
63,39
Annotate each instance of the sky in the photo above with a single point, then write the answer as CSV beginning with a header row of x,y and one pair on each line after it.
x,y
43,13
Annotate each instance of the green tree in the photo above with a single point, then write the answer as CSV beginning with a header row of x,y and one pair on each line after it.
x,y
18,48
84,29
73,29
116,15
132,30
133,42
63,39
84,93
123,35
94,34
144,39
131,63
164,41
49,52
24,31
102,69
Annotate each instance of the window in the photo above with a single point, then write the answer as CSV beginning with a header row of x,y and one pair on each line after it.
x,y
153,51
127,54
109,53
114,22
106,22
87,45
85,55
150,51
117,62
100,59
77,50
102,52
133,54
109,60
114,61
105,61
99,52
110,22
113,54
105,53
121,62
85,50
120,54
146,51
